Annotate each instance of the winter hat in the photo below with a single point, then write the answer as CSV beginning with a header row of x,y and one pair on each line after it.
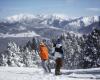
x,y
58,41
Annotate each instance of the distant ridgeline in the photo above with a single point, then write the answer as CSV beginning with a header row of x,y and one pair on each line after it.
x,y
79,52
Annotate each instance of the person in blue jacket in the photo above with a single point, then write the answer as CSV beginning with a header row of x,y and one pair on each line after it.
x,y
59,56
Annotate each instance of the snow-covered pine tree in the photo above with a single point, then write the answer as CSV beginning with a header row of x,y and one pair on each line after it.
x,y
92,50
3,60
30,58
72,50
14,55
27,58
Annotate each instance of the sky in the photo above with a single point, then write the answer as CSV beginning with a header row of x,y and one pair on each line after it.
x,y
71,8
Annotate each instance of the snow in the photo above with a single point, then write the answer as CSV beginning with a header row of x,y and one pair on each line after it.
x,y
62,16
51,27
23,73
21,28
74,22
20,17
89,20
26,34
55,28
76,33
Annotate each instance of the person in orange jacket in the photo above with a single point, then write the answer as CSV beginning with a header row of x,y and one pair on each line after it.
x,y
44,54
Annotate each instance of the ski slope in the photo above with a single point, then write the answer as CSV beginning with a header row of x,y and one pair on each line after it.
x,y
20,73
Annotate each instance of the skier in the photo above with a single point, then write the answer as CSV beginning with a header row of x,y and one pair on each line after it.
x,y
44,57
59,55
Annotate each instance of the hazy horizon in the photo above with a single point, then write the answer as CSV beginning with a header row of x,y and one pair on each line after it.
x,y
76,8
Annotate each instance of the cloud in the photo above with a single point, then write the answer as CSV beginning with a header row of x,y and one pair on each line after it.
x,y
93,9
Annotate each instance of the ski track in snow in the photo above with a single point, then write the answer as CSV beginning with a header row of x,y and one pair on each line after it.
x,y
20,73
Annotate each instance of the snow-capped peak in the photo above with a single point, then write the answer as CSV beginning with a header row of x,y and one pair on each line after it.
x,y
51,20
20,17
58,16
90,19
86,21
62,16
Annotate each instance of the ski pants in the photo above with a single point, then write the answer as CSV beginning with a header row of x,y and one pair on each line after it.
x,y
58,65
46,66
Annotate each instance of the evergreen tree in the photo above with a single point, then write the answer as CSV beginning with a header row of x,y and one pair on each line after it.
x,y
92,50
30,58
72,51
14,55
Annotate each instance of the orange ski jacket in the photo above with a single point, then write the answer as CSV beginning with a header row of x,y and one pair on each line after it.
x,y
43,52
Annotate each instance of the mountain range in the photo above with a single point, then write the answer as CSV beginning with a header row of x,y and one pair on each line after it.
x,y
47,25
22,27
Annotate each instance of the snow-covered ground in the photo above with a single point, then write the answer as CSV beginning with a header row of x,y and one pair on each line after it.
x,y
17,73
